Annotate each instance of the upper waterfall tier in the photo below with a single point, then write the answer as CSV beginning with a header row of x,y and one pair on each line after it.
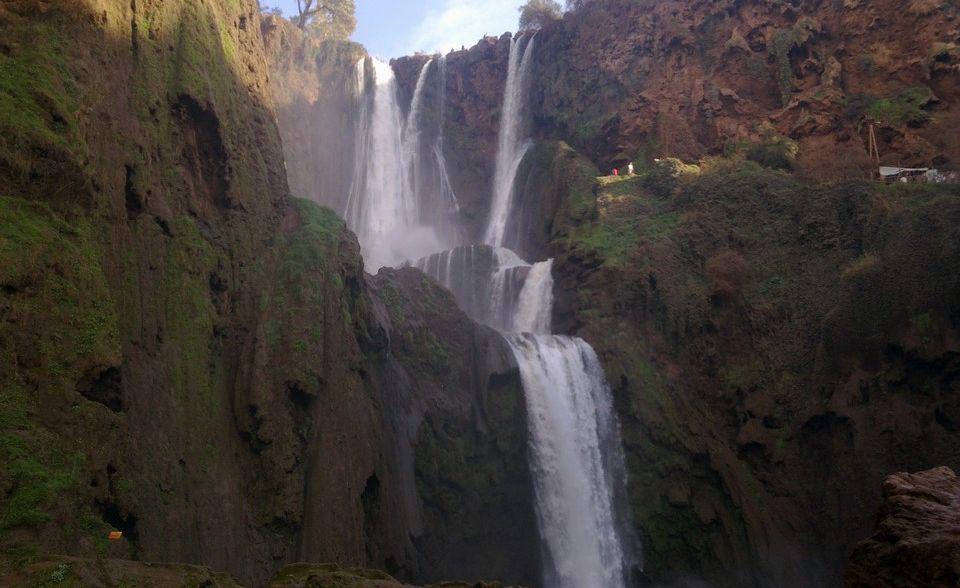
x,y
512,142
399,176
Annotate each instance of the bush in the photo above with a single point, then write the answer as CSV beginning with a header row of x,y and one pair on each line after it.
x,y
904,109
773,153
822,159
662,177
726,273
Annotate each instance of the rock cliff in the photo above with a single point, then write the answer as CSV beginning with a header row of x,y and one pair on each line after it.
x,y
631,80
192,356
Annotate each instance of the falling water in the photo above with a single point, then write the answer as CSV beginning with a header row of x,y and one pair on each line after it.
x,y
384,206
575,452
447,195
511,144
576,457
411,136
354,213
570,414
486,281
536,300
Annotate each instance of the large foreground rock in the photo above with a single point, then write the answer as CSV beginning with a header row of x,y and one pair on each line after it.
x,y
917,538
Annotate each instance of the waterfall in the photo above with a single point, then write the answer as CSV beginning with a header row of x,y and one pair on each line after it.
x,y
570,413
447,195
486,281
536,300
384,204
411,136
354,210
512,146
575,454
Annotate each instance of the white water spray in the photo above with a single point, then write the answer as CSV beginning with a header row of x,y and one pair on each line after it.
x,y
568,403
384,206
512,146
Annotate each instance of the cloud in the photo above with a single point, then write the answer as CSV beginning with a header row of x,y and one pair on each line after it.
x,y
457,23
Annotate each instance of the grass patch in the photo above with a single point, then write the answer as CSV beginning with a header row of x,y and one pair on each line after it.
x,y
37,94
903,109
36,474
55,266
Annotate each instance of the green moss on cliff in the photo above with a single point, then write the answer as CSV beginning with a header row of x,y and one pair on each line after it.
x,y
623,213
37,93
52,274
310,247
52,282
903,109
785,41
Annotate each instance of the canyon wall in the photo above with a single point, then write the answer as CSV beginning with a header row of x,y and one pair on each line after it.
x,y
776,349
192,356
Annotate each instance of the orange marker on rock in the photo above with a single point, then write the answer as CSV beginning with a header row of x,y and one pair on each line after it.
x,y
114,535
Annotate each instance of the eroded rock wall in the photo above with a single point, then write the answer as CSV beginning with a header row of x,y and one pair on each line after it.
x,y
192,356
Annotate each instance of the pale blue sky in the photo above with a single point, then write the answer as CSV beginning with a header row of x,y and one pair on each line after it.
x,y
394,28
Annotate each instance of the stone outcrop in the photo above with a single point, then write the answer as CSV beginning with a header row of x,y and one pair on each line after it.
x,y
193,357
916,541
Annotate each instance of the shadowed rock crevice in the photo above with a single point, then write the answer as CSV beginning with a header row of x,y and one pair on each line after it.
x,y
204,156
104,386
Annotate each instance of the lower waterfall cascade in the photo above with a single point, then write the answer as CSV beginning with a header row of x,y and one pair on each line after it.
x,y
575,453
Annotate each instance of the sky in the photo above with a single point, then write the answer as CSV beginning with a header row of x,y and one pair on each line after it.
x,y
402,27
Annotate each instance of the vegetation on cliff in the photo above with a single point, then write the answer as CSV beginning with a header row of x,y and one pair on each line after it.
x,y
751,325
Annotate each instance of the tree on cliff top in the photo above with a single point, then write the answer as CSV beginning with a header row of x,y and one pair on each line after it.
x,y
326,19
536,13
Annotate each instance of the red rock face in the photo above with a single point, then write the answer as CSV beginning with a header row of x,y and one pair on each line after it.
x,y
917,538
685,78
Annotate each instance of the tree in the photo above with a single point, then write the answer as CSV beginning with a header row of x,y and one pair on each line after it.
x,y
270,11
327,19
536,13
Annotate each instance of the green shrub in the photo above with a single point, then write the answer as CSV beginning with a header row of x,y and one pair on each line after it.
x,y
904,109
662,177
774,151
772,155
